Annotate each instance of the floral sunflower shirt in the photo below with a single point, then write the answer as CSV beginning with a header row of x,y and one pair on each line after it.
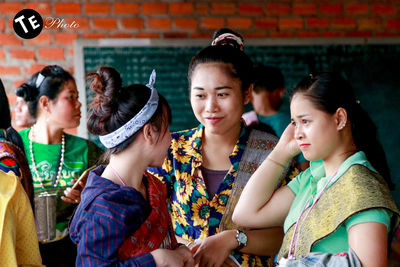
x,y
195,214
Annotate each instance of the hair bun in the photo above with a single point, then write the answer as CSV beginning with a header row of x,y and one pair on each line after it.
x,y
107,84
228,37
27,92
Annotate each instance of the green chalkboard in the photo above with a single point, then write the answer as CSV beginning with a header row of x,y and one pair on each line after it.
x,y
371,67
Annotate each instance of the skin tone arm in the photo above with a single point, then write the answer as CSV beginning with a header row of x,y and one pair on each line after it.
x,y
369,242
259,205
216,249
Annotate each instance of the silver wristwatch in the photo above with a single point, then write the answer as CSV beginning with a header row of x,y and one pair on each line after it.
x,y
241,238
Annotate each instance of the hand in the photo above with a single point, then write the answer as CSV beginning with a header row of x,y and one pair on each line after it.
x,y
287,145
180,257
215,250
73,195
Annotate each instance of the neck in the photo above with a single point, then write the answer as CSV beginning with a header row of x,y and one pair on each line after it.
x,y
228,138
45,134
130,167
267,112
333,163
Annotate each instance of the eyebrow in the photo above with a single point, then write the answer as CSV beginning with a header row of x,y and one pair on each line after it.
x,y
216,88
301,116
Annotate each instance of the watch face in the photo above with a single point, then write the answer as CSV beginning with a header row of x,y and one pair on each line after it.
x,y
242,238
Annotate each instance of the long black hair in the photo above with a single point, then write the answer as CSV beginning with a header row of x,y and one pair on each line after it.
x,y
329,91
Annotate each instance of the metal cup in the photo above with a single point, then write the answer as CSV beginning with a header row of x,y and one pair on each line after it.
x,y
45,215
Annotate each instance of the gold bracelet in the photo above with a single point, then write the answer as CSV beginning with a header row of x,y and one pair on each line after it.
x,y
276,162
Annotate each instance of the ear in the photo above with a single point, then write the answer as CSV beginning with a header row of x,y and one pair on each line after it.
x,y
247,95
281,92
149,134
341,118
44,103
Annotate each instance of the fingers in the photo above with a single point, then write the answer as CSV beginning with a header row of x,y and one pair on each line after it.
x,y
71,195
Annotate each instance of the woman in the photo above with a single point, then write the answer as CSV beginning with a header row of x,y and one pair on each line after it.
x,y
23,117
341,204
204,164
123,218
55,158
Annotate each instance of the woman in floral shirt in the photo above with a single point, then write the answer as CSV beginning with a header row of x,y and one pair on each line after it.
x,y
202,163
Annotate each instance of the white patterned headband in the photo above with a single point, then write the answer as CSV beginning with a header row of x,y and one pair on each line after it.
x,y
133,125
230,36
39,80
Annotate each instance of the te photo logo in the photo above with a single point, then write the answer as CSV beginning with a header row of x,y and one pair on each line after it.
x,y
28,23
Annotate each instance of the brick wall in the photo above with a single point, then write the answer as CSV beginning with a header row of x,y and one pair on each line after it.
x,y
181,19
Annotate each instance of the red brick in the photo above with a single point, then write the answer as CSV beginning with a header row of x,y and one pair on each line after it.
x,y
255,35
64,38
250,9
154,8
181,8
223,9
239,23
10,70
148,35
266,23
331,9
304,9
126,8
202,9
10,8
212,23
201,35
159,23
93,35
9,39
51,53
306,34
185,23
369,23
41,39
291,23
33,68
132,23
81,23
41,8
381,9
22,53
386,34
175,35
393,24
1,24
105,23
281,34
357,9
278,9
359,34
343,23
18,83
71,52
2,54
12,99
97,8
333,34
67,8
120,35
317,23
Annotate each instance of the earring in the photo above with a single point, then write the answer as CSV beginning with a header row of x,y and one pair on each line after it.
x,y
341,126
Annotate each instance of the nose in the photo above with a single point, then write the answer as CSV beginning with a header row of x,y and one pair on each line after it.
x,y
298,133
211,104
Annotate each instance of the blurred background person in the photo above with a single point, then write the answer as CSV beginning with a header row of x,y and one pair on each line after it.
x,y
267,98
56,159
23,117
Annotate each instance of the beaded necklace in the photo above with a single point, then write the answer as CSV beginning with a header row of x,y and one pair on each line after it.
x,y
58,177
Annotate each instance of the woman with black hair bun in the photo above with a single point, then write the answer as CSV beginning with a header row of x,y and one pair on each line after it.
x,y
56,159
23,116
123,217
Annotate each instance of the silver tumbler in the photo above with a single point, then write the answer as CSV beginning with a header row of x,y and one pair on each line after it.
x,y
45,215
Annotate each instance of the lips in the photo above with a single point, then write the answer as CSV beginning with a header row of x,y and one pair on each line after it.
x,y
304,146
213,120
